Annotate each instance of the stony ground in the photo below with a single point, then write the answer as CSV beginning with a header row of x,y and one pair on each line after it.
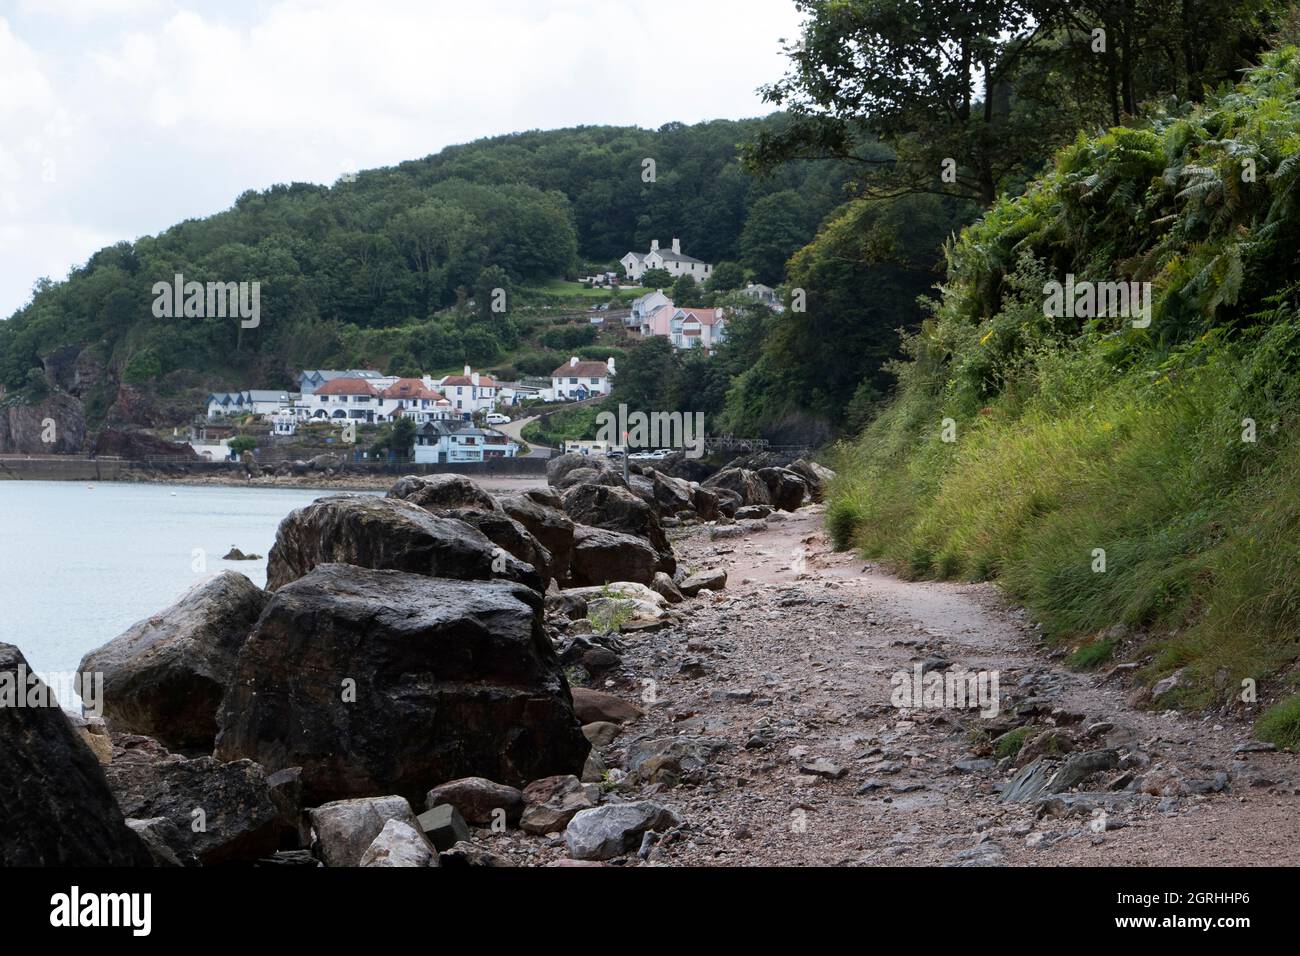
x,y
781,683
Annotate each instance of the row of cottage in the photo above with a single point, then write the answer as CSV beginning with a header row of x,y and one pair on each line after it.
x,y
687,328
366,396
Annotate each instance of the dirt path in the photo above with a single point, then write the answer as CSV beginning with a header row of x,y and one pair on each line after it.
x,y
781,685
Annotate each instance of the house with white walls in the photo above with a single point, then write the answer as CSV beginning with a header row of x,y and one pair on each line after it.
x,y
470,392
413,398
253,401
352,399
675,262
577,379
441,442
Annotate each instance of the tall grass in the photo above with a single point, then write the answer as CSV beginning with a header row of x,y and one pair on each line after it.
x,y
1172,451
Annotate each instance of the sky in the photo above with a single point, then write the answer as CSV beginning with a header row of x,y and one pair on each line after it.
x,y
119,118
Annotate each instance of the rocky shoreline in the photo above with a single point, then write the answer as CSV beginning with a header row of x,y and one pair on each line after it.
x,y
417,685
661,671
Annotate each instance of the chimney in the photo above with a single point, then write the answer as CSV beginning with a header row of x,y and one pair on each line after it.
x,y
609,364
573,362
466,369
677,245
654,245
473,379
427,379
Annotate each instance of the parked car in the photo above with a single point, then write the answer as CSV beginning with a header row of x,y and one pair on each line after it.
x,y
496,418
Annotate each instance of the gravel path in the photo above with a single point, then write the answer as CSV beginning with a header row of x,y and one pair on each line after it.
x,y
788,672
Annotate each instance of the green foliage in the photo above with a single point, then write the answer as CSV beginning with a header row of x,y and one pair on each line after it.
x,y
1009,744
656,279
242,443
1280,724
568,337
1172,448
380,272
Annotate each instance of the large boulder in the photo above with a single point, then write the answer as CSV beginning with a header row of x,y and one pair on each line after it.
x,y
345,829
618,509
681,465
439,493
223,812
385,682
671,494
817,477
603,833
706,502
387,534
558,468
591,476
785,487
601,556
56,808
399,844
509,535
165,676
478,800
745,483
542,515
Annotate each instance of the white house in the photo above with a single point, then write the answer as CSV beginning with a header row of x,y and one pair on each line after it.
x,y
441,442
413,398
354,399
676,263
577,379
470,392
254,401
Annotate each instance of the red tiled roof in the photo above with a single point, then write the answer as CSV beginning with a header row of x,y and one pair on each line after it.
x,y
347,386
411,388
703,316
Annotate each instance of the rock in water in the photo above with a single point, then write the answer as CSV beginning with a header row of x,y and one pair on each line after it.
x,y
385,682
56,808
165,676
603,833
387,533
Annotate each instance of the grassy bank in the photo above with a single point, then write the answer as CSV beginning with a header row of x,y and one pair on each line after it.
x,y
1138,488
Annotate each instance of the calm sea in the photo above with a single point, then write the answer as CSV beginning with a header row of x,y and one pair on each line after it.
x,y
80,563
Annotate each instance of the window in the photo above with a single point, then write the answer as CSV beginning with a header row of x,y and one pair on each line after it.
x,y
573,381
595,381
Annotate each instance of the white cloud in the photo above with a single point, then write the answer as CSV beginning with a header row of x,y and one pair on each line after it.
x,y
169,110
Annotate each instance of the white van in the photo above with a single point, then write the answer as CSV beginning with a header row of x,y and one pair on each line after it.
x,y
496,418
